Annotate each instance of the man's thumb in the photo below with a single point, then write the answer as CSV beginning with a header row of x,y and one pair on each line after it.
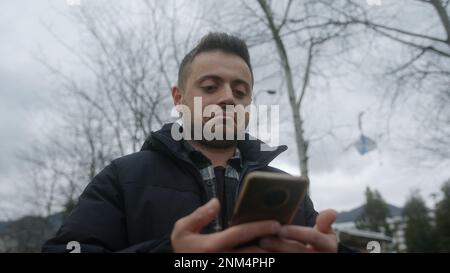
x,y
324,220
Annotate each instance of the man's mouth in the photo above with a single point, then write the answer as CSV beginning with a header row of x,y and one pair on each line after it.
x,y
226,117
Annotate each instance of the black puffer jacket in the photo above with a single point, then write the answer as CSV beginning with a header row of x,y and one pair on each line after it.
x,y
132,205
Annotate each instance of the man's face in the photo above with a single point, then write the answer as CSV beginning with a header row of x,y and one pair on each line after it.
x,y
219,79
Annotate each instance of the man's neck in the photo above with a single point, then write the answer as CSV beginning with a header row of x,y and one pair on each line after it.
x,y
217,156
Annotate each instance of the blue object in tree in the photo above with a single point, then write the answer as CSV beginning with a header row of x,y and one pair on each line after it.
x,y
365,145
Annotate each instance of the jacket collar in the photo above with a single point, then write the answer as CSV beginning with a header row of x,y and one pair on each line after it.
x,y
250,148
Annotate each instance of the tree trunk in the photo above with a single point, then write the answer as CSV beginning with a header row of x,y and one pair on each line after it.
x,y
302,146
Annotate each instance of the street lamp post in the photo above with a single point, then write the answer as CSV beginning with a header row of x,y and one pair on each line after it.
x,y
269,92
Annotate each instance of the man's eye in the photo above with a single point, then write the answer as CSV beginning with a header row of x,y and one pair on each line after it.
x,y
239,93
209,88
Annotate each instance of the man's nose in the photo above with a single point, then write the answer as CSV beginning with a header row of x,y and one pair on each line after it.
x,y
226,97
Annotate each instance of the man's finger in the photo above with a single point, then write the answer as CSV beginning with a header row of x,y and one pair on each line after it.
x,y
306,235
324,221
275,244
198,219
244,233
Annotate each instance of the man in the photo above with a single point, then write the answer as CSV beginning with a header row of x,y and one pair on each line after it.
x,y
178,195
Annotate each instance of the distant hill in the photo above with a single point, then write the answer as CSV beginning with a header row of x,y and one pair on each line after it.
x,y
28,233
54,222
3,226
350,216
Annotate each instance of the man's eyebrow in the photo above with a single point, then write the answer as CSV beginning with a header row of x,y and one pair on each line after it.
x,y
241,81
220,79
209,77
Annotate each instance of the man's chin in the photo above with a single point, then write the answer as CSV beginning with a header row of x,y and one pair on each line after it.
x,y
222,136
219,144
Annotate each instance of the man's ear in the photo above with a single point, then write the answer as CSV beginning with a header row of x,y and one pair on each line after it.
x,y
176,95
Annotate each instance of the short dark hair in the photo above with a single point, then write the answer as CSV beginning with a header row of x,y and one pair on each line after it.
x,y
212,41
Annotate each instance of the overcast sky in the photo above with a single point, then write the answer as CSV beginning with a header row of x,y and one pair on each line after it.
x,y
338,175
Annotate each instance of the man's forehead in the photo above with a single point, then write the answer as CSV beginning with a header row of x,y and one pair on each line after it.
x,y
219,63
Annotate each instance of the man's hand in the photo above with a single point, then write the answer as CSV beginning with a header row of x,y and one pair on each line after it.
x,y
292,238
186,235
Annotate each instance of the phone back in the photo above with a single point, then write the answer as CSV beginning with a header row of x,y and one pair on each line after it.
x,y
269,196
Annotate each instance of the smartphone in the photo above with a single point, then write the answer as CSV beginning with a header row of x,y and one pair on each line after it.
x,y
269,196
